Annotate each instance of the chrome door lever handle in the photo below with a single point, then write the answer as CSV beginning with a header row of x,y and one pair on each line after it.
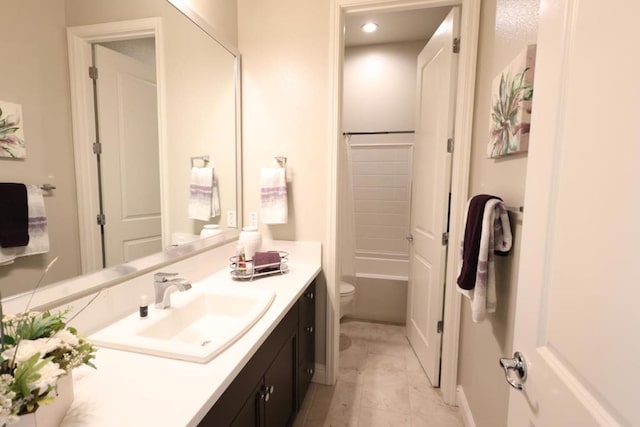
x,y
518,365
409,237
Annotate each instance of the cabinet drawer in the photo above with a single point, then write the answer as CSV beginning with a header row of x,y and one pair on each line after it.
x,y
306,340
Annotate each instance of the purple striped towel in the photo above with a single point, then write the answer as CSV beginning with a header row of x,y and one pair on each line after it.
x,y
273,196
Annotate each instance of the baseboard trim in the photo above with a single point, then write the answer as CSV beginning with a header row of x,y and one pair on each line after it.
x,y
320,374
465,410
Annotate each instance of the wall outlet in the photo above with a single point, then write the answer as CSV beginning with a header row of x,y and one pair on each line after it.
x,y
232,221
253,219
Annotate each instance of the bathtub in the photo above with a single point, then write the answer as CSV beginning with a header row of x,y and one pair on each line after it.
x,y
381,289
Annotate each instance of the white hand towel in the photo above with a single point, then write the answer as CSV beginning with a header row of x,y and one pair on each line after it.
x,y
38,230
273,196
200,193
496,236
216,211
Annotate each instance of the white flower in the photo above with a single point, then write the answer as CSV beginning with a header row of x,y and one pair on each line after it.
x,y
49,374
6,400
27,348
67,339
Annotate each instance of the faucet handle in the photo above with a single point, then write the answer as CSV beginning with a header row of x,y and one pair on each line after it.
x,y
163,277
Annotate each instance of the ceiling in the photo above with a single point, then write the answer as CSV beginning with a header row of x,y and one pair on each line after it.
x,y
397,26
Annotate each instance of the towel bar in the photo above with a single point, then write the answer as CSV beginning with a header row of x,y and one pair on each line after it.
x,y
282,161
516,209
205,160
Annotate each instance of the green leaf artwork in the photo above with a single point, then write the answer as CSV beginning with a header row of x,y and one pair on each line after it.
x,y
512,93
11,132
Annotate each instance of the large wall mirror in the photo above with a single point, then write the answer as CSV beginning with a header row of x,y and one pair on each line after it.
x,y
165,98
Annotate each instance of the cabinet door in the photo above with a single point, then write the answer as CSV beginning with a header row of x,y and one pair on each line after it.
x,y
280,384
249,415
307,340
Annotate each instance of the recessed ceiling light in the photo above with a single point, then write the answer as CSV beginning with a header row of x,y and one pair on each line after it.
x,y
370,27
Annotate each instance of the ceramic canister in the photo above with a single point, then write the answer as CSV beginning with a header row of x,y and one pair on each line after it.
x,y
251,239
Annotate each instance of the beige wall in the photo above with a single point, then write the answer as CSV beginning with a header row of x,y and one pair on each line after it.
x,y
380,87
35,74
506,27
285,106
222,15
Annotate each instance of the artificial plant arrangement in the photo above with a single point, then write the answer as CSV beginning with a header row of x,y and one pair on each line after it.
x,y
37,348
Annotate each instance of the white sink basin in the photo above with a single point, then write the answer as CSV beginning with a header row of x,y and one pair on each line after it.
x,y
199,325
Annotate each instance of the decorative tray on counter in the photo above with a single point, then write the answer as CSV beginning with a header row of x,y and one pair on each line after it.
x,y
246,270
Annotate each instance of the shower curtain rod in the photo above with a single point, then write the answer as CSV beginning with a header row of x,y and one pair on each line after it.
x,y
377,133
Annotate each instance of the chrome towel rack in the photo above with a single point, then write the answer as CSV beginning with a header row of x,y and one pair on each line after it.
x,y
282,161
516,209
205,160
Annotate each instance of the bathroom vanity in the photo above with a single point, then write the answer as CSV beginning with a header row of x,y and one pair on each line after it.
x,y
270,388
259,380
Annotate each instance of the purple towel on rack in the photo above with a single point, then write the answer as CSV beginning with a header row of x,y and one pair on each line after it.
x,y
471,242
266,261
14,215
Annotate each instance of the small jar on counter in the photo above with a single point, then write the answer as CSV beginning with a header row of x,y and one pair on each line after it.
x,y
251,239
210,230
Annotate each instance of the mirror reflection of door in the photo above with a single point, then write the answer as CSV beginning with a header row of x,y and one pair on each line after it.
x,y
128,161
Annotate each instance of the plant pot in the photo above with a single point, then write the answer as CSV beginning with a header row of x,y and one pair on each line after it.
x,y
51,415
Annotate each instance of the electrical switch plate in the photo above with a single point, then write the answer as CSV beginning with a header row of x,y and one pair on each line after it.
x,y
253,219
231,219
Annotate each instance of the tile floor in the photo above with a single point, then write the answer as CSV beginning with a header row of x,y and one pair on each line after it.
x,y
380,383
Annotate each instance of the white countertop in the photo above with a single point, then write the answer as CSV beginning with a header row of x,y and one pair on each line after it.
x,y
141,390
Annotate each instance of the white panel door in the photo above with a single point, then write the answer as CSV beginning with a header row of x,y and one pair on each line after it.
x,y
431,182
579,285
128,127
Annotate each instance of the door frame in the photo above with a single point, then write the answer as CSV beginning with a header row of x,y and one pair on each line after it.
x,y
79,40
469,28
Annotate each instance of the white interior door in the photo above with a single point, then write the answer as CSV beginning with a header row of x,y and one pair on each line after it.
x,y
431,183
128,127
578,289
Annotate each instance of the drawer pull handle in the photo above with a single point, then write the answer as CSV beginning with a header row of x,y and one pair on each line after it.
x,y
266,392
309,329
310,371
310,295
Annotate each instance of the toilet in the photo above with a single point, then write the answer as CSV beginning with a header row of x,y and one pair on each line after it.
x,y
347,295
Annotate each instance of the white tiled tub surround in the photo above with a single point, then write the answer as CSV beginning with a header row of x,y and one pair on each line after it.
x,y
135,389
381,175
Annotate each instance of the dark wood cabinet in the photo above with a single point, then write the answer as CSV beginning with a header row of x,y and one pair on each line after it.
x,y
279,402
306,341
249,414
270,388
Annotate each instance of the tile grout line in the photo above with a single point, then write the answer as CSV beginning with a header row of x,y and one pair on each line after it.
x,y
309,406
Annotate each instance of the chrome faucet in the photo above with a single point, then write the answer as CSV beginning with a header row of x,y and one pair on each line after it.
x,y
165,284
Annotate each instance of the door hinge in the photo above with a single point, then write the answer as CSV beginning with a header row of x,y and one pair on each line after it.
x,y
456,45
93,73
450,143
101,219
97,148
445,238
440,326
